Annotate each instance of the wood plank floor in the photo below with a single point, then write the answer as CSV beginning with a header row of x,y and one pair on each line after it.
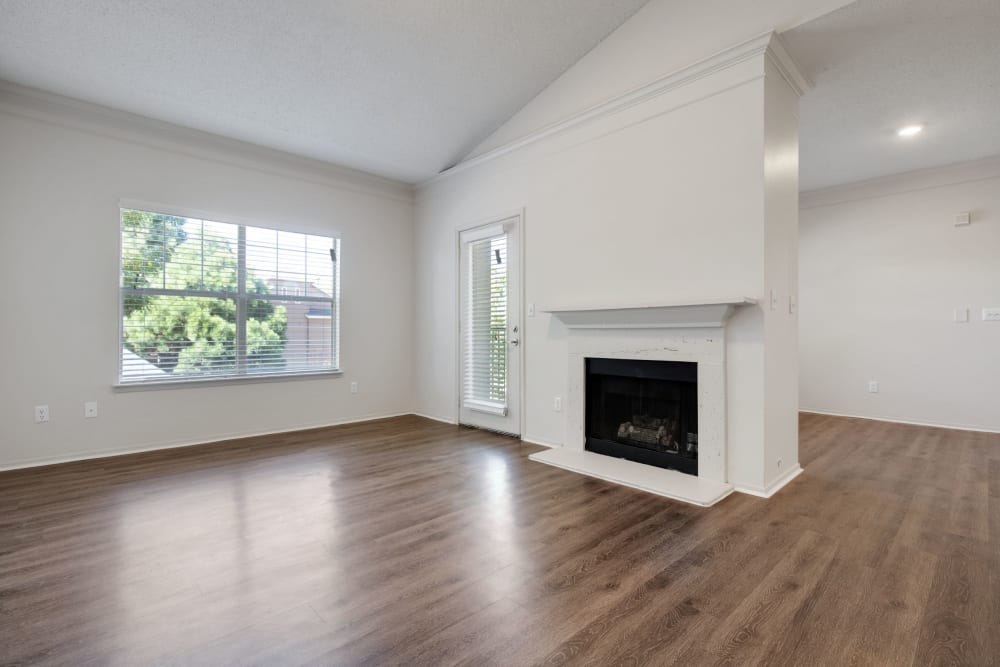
x,y
408,542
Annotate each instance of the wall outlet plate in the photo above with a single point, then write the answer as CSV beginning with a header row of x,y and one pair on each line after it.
x,y
557,404
354,387
41,414
90,409
873,387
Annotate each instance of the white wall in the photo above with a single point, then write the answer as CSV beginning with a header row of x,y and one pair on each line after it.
x,y
661,201
64,169
882,270
781,187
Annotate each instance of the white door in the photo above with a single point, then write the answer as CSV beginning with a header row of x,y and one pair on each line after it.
x,y
489,329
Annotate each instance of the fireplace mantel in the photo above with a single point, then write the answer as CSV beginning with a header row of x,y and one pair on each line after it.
x,y
693,331
686,315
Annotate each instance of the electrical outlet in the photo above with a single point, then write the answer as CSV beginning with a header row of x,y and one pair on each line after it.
x,y
90,409
991,314
557,404
354,387
873,387
793,304
41,413
779,464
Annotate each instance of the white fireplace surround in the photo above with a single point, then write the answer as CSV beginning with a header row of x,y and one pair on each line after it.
x,y
690,331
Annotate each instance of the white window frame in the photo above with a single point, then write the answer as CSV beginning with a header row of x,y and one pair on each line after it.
x,y
241,297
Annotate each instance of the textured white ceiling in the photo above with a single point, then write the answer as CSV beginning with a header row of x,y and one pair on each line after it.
x,y
882,64
400,89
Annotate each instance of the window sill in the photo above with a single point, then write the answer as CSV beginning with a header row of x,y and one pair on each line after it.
x,y
219,381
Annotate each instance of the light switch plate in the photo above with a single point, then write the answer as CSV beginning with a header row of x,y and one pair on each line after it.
x,y
961,315
991,314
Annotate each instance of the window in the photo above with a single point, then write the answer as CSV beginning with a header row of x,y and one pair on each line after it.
x,y
486,323
202,299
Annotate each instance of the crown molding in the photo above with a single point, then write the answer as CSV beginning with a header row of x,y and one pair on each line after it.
x,y
777,53
41,105
767,43
911,181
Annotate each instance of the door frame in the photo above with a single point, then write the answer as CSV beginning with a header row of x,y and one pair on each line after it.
x,y
518,216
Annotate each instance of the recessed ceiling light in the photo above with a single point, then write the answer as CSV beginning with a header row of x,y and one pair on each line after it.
x,y
910,130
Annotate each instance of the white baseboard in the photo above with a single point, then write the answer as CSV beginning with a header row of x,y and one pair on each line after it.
x,y
433,418
108,453
532,440
952,427
774,486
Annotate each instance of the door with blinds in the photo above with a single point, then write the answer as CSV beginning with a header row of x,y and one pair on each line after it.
x,y
490,328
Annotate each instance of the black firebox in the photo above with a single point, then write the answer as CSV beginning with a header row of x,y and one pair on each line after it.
x,y
644,411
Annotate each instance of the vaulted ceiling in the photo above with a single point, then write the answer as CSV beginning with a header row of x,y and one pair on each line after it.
x,y
406,89
400,89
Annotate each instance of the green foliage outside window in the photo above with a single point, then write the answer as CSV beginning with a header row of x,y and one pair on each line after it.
x,y
184,334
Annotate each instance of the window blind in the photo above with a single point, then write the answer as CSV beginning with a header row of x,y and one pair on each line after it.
x,y
202,299
485,318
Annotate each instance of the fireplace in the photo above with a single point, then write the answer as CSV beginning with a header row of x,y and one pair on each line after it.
x,y
644,411
635,370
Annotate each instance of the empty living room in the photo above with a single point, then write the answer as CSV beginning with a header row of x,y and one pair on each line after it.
x,y
508,332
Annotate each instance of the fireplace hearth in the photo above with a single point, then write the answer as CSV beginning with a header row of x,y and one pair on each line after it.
x,y
644,411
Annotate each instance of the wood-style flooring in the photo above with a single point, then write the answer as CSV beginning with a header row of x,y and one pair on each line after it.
x,y
409,542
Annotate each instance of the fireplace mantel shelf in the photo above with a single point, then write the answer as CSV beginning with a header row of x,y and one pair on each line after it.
x,y
694,314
